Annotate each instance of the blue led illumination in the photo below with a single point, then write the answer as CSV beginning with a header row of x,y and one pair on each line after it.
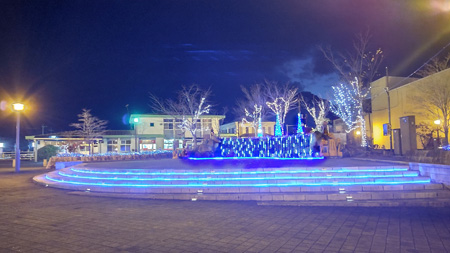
x,y
203,185
236,172
291,146
257,158
234,178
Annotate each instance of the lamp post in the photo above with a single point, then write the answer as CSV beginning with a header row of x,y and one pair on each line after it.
x,y
135,121
437,123
18,107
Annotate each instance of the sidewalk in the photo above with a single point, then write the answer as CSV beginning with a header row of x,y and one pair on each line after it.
x,y
38,219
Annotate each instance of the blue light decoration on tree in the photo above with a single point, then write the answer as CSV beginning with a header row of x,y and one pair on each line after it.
x,y
299,125
260,131
278,131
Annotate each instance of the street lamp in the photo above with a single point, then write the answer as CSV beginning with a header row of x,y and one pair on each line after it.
x,y
18,107
135,121
437,123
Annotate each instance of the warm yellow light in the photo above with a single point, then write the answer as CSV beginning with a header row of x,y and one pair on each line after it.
x,y
437,122
18,107
358,132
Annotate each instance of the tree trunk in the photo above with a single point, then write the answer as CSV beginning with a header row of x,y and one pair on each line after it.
x,y
445,142
194,139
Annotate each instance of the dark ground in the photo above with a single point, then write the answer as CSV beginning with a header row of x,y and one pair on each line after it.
x,y
38,219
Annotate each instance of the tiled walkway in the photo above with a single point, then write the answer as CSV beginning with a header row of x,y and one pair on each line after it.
x,y
38,219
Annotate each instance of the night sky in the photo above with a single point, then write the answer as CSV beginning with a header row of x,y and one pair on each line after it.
x,y
61,56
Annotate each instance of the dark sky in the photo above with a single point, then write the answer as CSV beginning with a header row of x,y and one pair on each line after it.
x,y
61,56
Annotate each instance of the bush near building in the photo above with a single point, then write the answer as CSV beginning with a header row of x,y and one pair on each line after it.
x,y
46,152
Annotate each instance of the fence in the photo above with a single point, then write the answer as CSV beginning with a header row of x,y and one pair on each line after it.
x,y
24,155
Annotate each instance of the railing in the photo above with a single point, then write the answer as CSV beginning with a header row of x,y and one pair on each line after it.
x,y
24,155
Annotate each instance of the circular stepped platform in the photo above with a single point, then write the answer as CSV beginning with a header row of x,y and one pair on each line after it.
x,y
292,185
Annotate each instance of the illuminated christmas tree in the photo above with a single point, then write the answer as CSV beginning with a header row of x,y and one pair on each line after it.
x,y
278,131
260,131
299,125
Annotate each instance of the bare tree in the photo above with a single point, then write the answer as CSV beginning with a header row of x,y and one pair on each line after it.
x,y
436,65
434,98
318,109
281,99
89,127
252,107
425,133
357,70
191,103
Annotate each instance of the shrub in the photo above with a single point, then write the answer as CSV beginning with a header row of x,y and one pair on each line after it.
x,y
46,152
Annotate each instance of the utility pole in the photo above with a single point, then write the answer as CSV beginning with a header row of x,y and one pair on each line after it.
x,y
43,129
389,110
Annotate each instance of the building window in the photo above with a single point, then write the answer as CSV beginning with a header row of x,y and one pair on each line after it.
x,y
264,129
148,145
168,144
270,130
125,145
385,129
113,145
168,129
179,133
246,130
152,124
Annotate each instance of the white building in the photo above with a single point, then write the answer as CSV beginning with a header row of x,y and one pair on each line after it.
x,y
150,132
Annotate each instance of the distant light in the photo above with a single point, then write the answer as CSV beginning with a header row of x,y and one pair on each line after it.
x,y
136,120
358,132
2,145
437,122
53,137
18,107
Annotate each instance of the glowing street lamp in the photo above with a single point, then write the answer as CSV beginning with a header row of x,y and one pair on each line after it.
x,y
437,123
18,107
136,145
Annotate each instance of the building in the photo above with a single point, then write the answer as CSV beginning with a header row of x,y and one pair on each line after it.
x,y
237,129
403,93
150,132
153,132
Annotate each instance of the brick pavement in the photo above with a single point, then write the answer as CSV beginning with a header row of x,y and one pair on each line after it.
x,y
38,219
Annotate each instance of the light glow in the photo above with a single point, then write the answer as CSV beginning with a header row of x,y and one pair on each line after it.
x,y
18,107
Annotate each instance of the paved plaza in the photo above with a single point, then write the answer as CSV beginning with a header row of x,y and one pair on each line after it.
x,y
38,219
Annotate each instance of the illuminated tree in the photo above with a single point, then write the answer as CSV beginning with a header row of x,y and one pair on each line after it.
x,y
357,70
348,105
89,127
255,118
252,107
318,109
189,106
281,99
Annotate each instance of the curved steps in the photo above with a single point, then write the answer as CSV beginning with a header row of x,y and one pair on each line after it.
x,y
287,186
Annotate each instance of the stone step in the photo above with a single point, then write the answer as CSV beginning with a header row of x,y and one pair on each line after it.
x,y
227,171
217,188
354,174
364,203
232,182
294,199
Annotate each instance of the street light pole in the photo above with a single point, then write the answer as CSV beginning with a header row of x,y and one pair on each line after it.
x,y
18,107
389,111
438,123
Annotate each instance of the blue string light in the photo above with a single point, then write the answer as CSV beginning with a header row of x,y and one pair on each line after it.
x,y
203,185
